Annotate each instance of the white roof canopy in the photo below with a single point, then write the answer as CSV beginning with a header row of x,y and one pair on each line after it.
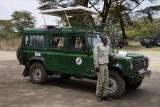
x,y
69,11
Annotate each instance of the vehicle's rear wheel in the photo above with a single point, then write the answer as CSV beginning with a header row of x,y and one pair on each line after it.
x,y
135,85
148,46
117,85
38,74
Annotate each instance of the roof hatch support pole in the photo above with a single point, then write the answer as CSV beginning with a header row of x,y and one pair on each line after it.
x,y
67,18
44,20
84,20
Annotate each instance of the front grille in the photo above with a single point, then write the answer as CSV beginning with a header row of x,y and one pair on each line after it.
x,y
138,64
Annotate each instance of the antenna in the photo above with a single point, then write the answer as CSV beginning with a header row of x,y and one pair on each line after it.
x,y
44,20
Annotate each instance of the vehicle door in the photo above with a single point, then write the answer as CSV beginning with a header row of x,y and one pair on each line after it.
x,y
55,53
77,59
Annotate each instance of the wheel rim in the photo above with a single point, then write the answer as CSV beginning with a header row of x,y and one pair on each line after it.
x,y
112,85
37,74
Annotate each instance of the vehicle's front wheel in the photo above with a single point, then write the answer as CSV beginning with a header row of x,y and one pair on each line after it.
x,y
38,74
117,85
135,85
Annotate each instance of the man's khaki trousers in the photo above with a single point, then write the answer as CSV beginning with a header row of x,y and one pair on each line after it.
x,y
102,81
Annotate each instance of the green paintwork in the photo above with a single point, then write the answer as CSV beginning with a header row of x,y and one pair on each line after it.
x,y
64,60
134,55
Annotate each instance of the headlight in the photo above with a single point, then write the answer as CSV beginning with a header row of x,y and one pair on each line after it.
x,y
131,65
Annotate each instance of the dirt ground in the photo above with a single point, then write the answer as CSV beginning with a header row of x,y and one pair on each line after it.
x,y
17,91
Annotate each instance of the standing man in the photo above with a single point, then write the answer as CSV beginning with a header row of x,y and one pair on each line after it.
x,y
101,60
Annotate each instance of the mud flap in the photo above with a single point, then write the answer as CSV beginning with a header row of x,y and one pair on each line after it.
x,y
26,72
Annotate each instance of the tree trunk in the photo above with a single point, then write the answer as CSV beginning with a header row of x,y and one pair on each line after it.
x,y
83,3
121,21
104,18
86,3
105,13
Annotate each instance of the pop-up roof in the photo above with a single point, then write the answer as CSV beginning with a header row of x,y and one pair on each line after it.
x,y
69,11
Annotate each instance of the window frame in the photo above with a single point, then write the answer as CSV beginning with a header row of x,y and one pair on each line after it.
x,y
29,41
76,35
51,36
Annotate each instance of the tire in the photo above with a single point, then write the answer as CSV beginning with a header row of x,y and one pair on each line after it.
x,y
117,85
38,74
135,85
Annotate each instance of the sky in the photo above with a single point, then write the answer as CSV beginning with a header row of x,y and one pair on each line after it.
x,y
7,7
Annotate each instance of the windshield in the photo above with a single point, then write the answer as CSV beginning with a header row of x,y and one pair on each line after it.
x,y
94,39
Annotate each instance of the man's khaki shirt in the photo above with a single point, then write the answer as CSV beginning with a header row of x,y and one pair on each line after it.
x,y
101,54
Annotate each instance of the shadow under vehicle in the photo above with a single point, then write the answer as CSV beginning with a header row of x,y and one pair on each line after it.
x,y
68,52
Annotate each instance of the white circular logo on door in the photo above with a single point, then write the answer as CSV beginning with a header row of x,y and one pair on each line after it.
x,y
78,61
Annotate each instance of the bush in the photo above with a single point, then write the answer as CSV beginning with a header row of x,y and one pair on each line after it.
x,y
7,35
9,44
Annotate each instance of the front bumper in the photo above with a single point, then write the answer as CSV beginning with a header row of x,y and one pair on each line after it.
x,y
140,75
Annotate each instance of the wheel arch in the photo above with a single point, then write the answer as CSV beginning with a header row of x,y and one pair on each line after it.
x,y
117,69
37,59
31,61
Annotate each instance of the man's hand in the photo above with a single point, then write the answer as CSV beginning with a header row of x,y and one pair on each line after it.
x,y
114,57
97,69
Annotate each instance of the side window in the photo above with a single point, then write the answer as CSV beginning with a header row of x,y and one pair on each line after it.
x,y
26,40
77,42
39,41
56,42
34,41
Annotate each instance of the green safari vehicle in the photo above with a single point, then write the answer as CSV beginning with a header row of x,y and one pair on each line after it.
x,y
68,52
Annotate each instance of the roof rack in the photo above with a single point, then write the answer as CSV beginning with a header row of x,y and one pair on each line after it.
x,y
66,13
69,11
84,13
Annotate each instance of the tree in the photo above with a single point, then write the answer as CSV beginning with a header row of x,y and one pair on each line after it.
x,y
7,29
120,10
6,25
22,20
144,28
